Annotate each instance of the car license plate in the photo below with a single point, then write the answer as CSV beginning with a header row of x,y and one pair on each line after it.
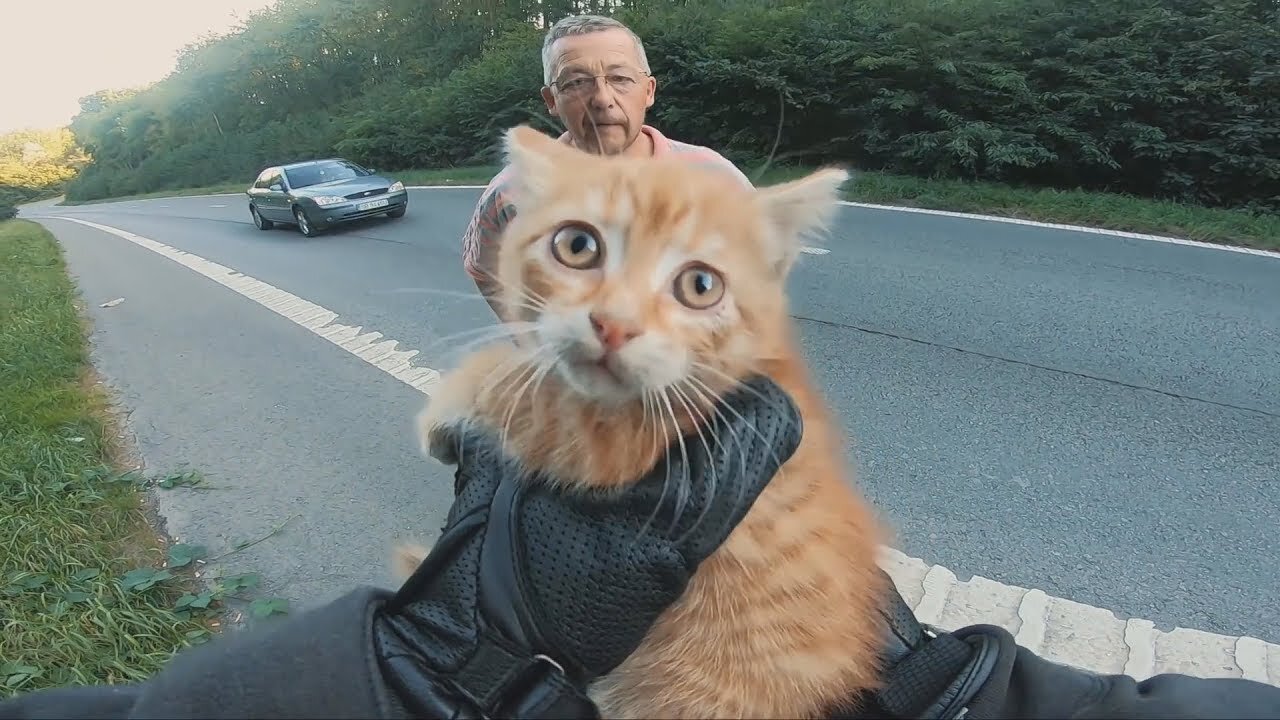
x,y
373,204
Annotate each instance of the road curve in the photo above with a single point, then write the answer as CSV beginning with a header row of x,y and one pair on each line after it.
x,y
1092,416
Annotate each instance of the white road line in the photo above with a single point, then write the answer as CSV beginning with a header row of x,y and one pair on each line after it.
x,y
1061,630
990,218
1072,228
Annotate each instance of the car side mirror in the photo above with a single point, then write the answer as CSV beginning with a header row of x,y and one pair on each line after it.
x,y
372,171
276,188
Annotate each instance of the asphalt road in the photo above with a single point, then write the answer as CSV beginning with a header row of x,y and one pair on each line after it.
x,y
1093,416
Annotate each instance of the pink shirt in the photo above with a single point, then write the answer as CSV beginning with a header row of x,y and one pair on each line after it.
x,y
494,210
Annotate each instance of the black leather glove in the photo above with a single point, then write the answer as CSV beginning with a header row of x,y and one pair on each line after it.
x,y
531,593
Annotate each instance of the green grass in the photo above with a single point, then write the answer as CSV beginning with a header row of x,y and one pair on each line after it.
x,y
459,176
1071,207
479,175
88,592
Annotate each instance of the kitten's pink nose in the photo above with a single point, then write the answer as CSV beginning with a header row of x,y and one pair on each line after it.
x,y
612,332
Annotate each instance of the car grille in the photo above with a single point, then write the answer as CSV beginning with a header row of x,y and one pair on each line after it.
x,y
366,193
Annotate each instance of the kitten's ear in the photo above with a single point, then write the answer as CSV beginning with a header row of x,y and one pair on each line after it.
x,y
532,157
798,209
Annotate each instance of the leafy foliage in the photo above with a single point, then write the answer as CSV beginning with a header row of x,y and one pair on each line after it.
x,y
36,164
1173,99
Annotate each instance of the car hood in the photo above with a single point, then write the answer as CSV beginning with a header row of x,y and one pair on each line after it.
x,y
350,186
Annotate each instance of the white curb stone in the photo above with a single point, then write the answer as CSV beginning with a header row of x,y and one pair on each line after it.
x,y
1075,634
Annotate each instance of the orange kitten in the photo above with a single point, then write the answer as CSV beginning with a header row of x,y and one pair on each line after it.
x,y
638,291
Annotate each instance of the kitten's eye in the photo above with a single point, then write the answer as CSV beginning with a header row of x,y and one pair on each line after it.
x,y
576,246
699,287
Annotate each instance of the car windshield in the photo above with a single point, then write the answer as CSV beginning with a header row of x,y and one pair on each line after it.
x,y
323,172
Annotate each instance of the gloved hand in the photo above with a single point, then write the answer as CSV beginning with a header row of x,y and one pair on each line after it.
x,y
530,593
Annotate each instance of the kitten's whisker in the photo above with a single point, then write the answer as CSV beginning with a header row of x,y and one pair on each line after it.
x,y
487,332
518,360
682,486
532,371
714,403
520,291
661,422
486,339
658,451
775,404
433,291
488,327
540,369
738,385
741,445
544,370
525,300
719,402
691,408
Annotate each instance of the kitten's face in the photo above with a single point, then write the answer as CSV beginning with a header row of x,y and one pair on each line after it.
x,y
649,277
633,305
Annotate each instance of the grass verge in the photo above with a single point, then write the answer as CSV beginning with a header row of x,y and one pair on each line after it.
x,y
1070,207
478,175
89,593
1073,207
227,187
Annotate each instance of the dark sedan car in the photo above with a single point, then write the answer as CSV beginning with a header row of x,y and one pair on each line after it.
x,y
319,194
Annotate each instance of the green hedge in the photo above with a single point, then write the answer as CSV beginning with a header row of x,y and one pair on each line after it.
x,y
1171,99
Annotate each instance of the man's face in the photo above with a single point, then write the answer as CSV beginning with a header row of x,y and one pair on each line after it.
x,y
602,114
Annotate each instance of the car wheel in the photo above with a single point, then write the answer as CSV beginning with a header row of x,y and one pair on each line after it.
x,y
304,224
261,222
397,213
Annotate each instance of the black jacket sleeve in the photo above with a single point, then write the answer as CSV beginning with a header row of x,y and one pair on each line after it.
x,y
314,664
1024,685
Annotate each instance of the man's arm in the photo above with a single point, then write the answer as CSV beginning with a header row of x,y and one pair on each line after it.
x,y
1025,685
481,238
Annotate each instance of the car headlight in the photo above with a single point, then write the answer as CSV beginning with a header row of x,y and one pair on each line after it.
x,y
396,186
327,200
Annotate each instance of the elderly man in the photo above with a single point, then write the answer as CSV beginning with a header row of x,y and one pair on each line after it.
x,y
596,79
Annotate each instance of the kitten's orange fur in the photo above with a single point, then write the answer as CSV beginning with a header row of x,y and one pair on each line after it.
x,y
783,621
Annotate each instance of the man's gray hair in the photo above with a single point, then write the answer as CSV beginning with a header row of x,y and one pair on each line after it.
x,y
583,25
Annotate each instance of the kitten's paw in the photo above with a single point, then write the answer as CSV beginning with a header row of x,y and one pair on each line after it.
x,y
442,443
438,436
464,396
405,559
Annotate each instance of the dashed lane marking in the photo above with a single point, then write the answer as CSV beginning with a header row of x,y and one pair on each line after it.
x,y
1058,629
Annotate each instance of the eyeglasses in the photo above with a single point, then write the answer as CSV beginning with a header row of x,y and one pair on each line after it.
x,y
621,82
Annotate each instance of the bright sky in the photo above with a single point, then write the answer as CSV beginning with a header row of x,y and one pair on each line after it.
x,y
56,51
